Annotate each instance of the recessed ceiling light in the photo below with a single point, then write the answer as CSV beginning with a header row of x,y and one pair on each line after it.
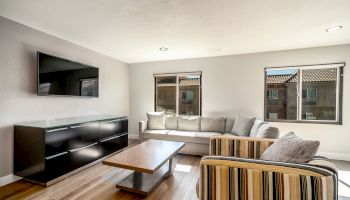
x,y
163,49
334,28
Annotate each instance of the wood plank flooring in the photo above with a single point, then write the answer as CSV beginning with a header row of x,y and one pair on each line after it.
x,y
98,183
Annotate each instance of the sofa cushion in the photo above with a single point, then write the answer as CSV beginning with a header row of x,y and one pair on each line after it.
x,y
211,124
257,124
189,123
267,131
171,122
159,132
291,148
155,134
155,120
242,125
229,121
191,136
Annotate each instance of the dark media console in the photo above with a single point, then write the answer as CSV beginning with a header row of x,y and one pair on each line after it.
x,y
45,151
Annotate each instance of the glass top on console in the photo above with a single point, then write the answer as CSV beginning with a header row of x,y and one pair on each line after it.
x,y
68,121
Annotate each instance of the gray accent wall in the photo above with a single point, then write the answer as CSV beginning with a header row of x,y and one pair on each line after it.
x,y
18,81
234,85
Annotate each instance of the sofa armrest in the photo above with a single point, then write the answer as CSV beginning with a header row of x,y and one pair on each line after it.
x,y
244,147
142,129
224,177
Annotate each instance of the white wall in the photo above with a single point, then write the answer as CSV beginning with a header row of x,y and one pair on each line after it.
x,y
18,75
235,85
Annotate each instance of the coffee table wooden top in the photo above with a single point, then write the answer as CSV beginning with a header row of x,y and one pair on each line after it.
x,y
147,156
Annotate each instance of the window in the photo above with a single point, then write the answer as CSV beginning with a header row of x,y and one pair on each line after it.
x,y
272,94
273,115
310,93
304,93
178,93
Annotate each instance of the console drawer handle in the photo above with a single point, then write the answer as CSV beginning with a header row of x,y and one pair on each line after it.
x,y
56,155
57,129
114,137
73,150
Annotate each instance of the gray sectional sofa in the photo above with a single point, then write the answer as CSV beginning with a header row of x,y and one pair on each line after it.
x,y
197,131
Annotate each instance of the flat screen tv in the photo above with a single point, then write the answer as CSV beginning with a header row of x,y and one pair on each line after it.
x,y
62,77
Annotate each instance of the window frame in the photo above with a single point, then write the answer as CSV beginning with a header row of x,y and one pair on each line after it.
x,y
339,93
178,95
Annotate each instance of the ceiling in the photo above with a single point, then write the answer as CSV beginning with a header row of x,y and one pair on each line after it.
x,y
134,30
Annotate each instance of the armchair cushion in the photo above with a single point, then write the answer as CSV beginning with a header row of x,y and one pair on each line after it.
x,y
292,149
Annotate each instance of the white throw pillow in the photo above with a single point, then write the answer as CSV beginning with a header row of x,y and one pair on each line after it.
x,y
267,131
257,124
155,120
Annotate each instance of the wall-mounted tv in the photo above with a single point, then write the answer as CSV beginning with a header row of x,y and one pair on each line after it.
x,y
62,77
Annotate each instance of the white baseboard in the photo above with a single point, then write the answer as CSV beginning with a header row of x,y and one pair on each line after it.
x,y
8,179
335,156
134,136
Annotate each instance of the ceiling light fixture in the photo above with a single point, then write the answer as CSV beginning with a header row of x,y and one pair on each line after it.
x,y
334,28
163,49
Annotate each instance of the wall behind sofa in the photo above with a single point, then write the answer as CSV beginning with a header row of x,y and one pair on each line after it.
x,y
18,75
235,85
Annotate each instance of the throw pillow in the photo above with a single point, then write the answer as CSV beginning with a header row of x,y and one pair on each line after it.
x,y
155,120
229,124
267,131
171,122
189,123
292,149
242,126
257,124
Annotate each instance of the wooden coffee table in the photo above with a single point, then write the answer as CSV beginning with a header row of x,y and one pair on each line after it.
x,y
152,161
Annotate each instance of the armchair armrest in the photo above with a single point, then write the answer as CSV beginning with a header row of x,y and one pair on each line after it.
x,y
240,178
142,129
244,147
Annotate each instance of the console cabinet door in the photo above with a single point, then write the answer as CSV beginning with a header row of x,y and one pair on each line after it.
x,y
113,144
83,155
55,166
56,140
82,134
110,128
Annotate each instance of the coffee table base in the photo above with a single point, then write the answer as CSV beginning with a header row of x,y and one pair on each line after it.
x,y
143,183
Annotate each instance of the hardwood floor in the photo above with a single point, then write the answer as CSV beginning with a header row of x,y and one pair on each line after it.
x,y
98,183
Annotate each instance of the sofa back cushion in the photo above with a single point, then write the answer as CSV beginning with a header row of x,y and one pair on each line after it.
x,y
171,122
229,121
267,131
211,124
242,126
189,123
155,120
257,124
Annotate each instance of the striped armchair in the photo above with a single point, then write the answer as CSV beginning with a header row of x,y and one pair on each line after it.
x,y
233,171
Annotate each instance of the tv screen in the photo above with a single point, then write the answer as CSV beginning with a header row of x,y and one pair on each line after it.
x,y
58,76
